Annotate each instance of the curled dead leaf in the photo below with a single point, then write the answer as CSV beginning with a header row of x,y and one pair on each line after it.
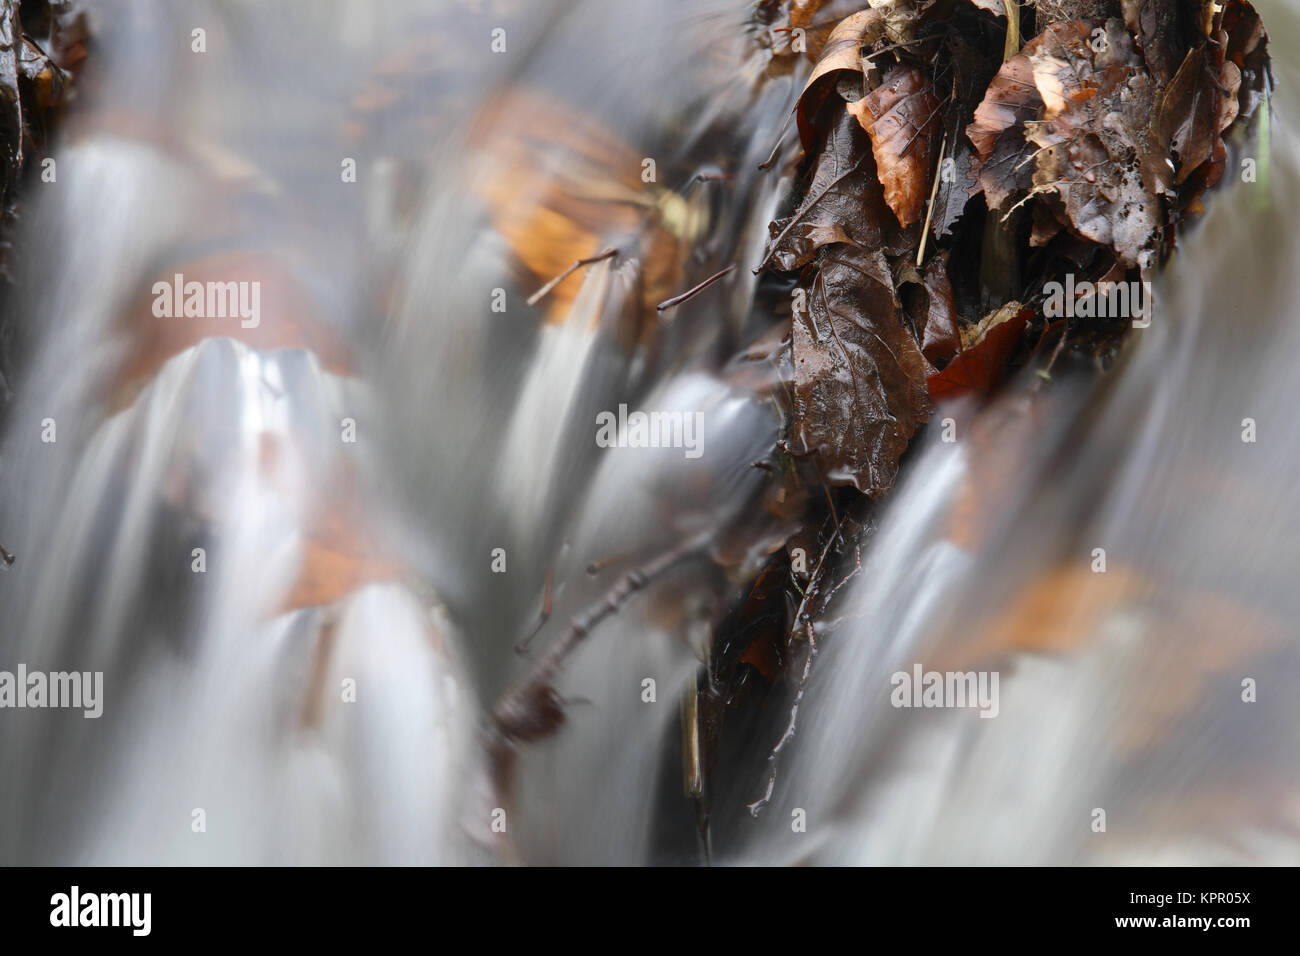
x,y
560,187
842,51
1011,99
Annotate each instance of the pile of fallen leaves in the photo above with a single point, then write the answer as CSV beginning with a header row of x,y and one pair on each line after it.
x,y
954,158
949,172
957,157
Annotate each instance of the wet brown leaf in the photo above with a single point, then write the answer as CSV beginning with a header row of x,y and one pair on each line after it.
x,y
843,51
1009,169
901,117
954,191
1002,153
844,201
1189,112
1096,158
937,316
1200,102
12,123
1247,49
1011,99
859,389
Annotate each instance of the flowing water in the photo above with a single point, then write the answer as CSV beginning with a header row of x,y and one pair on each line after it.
x,y
301,552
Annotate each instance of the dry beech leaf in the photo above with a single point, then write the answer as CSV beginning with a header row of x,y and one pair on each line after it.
x,y
561,187
901,116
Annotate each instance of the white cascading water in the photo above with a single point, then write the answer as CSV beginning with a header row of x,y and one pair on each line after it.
x,y
331,564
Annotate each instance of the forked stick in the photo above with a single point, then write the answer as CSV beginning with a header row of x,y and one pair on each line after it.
x,y
802,616
531,710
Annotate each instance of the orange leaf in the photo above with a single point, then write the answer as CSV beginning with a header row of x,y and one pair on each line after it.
x,y
900,117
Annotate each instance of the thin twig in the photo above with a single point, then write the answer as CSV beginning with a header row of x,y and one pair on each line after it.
x,y
691,293
766,164
514,714
1011,46
545,615
1036,191
577,264
857,567
1045,373
934,191
801,617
